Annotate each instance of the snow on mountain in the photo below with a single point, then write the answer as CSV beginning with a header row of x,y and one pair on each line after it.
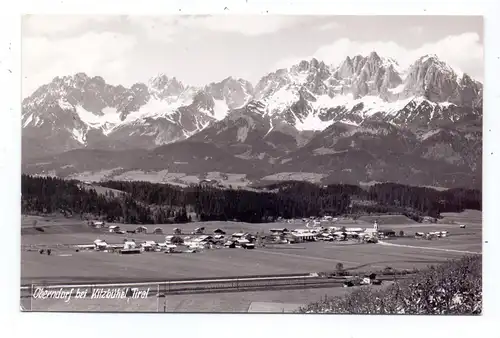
x,y
429,134
85,111
234,93
311,95
79,111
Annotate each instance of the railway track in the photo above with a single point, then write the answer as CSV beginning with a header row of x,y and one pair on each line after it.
x,y
165,288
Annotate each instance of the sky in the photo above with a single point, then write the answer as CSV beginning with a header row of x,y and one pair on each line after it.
x,y
198,50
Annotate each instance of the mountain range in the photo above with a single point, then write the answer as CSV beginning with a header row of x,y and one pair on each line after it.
x,y
364,120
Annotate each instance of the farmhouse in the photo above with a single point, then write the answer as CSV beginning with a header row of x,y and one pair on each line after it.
x,y
97,224
387,233
198,231
204,238
129,247
298,231
218,237
304,236
242,235
326,237
129,244
100,245
244,243
369,279
148,245
314,223
370,232
158,231
354,229
230,244
114,228
141,229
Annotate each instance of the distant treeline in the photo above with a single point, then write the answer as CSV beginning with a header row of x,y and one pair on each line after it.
x,y
144,202
47,195
301,199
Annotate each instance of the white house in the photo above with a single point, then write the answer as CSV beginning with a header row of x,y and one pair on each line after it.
x,y
158,231
129,245
354,229
114,228
141,229
98,224
99,244
304,236
148,244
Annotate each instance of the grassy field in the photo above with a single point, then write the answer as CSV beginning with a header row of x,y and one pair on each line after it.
x,y
67,265
295,176
387,219
305,257
162,176
260,301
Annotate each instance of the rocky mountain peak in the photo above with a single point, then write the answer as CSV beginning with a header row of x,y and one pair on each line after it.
x,y
235,93
435,80
162,86
362,76
306,97
374,56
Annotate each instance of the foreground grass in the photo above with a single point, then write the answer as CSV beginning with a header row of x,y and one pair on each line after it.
x,y
454,288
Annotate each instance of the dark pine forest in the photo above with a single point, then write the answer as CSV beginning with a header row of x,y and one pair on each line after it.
x,y
150,203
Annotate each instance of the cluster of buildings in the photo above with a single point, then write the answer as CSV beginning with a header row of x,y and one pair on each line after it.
x,y
115,229
431,235
332,233
198,240
176,243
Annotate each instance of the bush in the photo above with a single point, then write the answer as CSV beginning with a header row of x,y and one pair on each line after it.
x,y
454,287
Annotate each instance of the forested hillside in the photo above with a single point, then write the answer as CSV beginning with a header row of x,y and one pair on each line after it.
x,y
144,202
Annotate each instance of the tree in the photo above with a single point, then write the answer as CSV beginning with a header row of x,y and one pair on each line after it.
x,y
339,267
401,233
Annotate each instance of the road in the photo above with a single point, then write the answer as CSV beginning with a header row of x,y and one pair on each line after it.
x,y
429,248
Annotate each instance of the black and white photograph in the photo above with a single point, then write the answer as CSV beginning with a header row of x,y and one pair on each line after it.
x,y
229,163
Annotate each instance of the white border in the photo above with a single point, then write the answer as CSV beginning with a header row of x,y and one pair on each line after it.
x,y
77,325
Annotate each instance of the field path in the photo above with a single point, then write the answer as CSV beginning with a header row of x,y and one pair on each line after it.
x,y
428,248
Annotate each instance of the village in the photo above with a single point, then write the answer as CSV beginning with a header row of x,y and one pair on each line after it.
x,y
178,241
